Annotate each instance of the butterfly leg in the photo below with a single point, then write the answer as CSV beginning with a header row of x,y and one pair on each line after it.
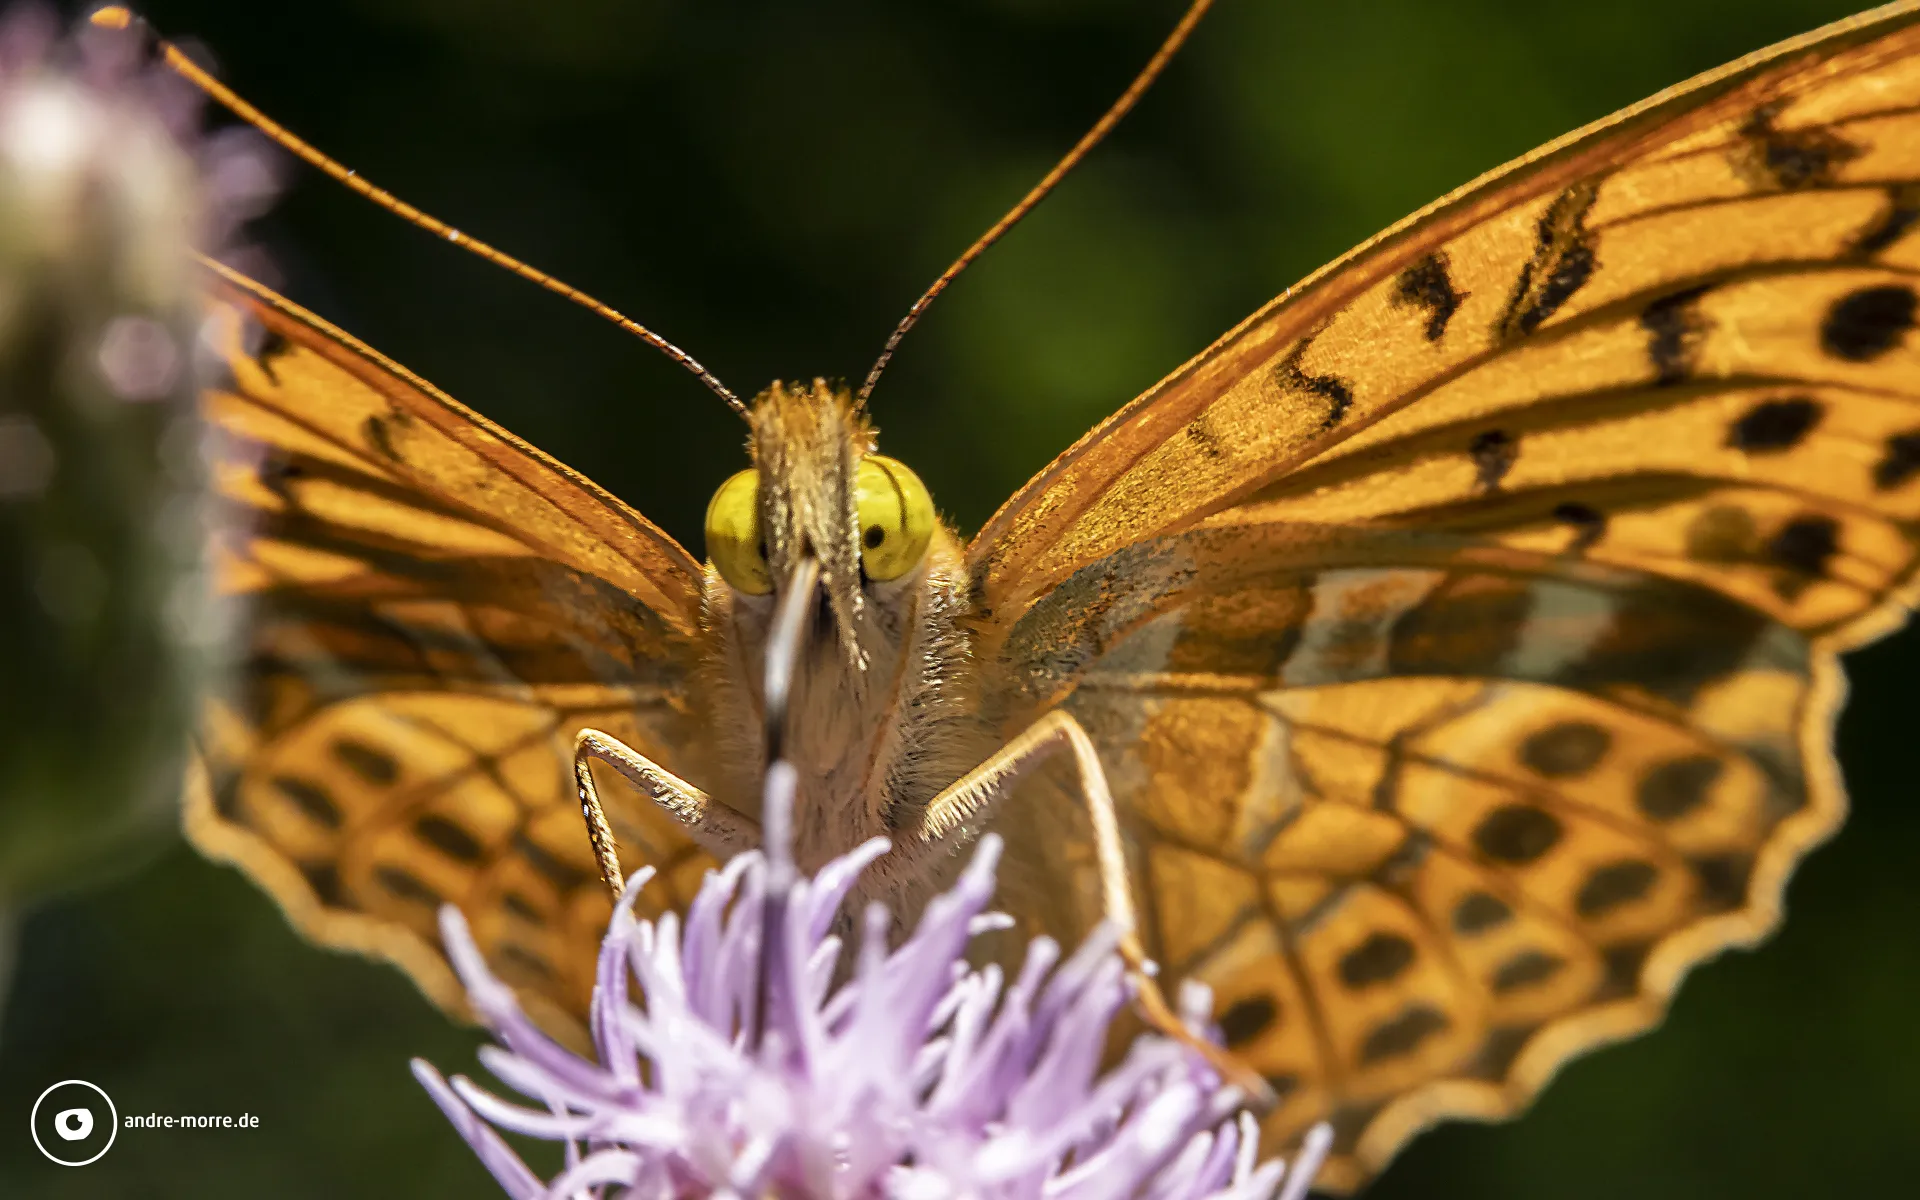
x,y
954,814
719,829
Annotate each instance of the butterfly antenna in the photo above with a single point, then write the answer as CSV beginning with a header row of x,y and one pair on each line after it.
x,y
118,17
1092,138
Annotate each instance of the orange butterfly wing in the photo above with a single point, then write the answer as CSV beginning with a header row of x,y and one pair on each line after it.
x,y
431,608
1587,258
1461,630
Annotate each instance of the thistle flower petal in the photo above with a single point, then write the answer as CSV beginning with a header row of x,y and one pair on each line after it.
x,y
513,1175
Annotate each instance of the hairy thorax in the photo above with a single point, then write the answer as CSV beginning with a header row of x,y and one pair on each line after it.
x,y
874,737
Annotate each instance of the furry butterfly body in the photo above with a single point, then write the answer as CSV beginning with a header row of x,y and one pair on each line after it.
x,y
1458,633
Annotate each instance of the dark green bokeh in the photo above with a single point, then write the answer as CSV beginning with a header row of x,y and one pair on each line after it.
x,y
771,184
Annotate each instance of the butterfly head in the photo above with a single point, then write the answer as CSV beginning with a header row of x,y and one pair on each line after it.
x,y
817,490
831,611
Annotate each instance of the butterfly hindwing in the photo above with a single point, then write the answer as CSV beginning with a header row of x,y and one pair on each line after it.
x,y
432,610
1427,815
1460,632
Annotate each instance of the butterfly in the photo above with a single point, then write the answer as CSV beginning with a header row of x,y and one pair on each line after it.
x,y
1457,636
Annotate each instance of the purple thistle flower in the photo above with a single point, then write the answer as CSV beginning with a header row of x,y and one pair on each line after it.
x,y
751,1074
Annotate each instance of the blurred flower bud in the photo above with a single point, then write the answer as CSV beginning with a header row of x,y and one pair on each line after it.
x,y
106,629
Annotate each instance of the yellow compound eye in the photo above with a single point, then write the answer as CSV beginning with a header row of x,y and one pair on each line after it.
x,y
733,535
896,517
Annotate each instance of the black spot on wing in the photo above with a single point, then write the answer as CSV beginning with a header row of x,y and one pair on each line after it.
x,y
1478,912
1613,884
1774,425
1722,880
1516,833
1502,1045
1524,969
1589,524
1864,324
1804,544
1566,749
1402,1033
1676,787
379,434
277,471
1788,159
1427,285
1351,1119
371,764
273,344
324,879
310,798
1903,209
1563,261
1493,453
1900,462
1381,958
1248,1018
1201,432
405,885
1674,329
522,907
1337,392
1623,962
448,838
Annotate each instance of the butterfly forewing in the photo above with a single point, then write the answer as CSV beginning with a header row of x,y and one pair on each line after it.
x,y
1460,631
433,609
1557,282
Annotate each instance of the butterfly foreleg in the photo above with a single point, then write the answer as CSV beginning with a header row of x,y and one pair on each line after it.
x,y
715,826
957,813
964,805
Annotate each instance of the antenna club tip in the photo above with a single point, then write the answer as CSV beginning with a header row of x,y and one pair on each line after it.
x,y
113,16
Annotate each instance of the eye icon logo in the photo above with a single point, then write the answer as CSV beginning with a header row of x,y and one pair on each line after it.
x,y
73,1123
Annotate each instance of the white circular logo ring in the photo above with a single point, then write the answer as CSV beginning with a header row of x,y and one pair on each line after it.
x,y
113,1123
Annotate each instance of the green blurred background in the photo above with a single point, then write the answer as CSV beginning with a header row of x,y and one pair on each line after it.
x,y
770,184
